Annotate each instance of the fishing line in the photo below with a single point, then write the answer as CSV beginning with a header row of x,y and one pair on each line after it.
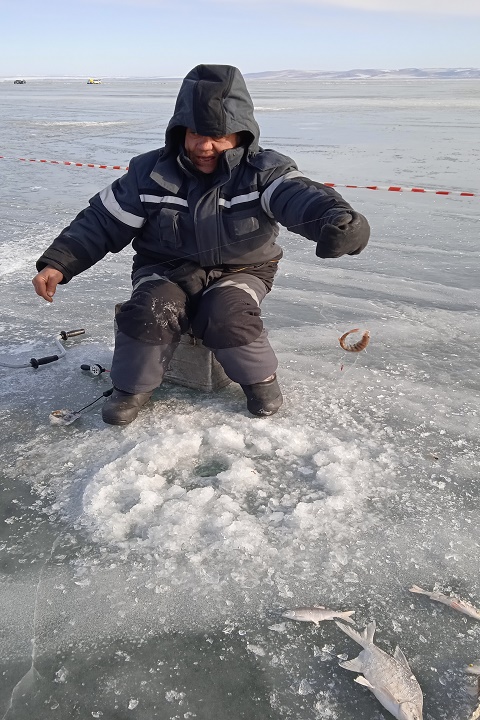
x,y
64,417
236,242
172,263
169,263
67,416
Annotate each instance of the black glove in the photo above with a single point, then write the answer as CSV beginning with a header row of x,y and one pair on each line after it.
x,y
345,232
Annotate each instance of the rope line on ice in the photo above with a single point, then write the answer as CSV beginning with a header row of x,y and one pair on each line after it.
x,y
387,188
66,162
396,188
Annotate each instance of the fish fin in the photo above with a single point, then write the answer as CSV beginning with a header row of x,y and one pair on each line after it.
x,y
363,681
355,665
351,633
400,657
345,616
369,632
363,638
416,589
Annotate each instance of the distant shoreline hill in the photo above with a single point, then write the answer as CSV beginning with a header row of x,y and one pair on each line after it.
x,y
404,73
295,75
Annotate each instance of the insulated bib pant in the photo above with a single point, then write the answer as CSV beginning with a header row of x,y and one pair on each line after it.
x,y
222,308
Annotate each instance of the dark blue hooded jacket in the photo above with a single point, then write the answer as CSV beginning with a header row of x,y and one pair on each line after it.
x,y
171,212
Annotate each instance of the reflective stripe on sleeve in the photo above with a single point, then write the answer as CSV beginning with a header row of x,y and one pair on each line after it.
x,y
110,202
239,199
170,199
270,189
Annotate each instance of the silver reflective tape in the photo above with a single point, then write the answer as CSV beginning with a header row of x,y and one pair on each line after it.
x,y
268,192
147,278
170,199
248,197
239,285
110,202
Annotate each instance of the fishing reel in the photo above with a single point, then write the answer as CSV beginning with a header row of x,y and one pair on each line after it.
x,y
94,369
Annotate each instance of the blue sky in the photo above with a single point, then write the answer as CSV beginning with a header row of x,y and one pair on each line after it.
x,y
167,37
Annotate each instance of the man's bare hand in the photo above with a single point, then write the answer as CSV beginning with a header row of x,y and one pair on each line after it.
x,y
45,283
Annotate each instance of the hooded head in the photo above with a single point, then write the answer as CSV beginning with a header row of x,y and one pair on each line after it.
x,y
213,100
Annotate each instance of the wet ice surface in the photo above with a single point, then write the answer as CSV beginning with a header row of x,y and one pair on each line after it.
x,y
151,564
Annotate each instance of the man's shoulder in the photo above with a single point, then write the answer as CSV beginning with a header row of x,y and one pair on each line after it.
x,y
147,161
266,159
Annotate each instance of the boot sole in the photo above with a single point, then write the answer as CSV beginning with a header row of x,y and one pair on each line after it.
x,y
118,422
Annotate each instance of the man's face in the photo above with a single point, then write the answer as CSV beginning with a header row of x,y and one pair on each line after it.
x,y
204,151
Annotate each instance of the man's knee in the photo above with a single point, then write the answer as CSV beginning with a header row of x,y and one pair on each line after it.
x,y
156,313
227,317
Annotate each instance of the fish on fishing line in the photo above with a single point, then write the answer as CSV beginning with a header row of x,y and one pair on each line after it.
x,y
357,346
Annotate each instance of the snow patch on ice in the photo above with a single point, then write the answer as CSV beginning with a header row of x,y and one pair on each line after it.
x,y
224,501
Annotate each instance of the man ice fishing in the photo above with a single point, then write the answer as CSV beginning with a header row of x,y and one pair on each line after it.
x,y
202,214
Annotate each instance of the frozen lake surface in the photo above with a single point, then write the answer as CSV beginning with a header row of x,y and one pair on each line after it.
x,y
145,569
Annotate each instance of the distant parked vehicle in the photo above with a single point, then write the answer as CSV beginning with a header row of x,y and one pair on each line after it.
x,y
19,82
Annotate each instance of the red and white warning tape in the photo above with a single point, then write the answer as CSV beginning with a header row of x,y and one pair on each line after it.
x,y
388,188
67,162
397,188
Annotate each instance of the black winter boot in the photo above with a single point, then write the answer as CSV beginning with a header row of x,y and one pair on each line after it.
x,y
263,398
122,407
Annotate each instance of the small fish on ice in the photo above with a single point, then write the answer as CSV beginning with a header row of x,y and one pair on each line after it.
x,y
473,668
316,614
453,602
389,678
63,417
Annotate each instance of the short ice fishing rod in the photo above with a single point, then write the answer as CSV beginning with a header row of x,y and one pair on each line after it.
x,y
36,362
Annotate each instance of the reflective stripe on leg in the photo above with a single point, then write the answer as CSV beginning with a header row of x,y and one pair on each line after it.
x,y
228,314
149,278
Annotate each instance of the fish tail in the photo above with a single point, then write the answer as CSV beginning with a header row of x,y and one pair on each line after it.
x,y
363,638
345,616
